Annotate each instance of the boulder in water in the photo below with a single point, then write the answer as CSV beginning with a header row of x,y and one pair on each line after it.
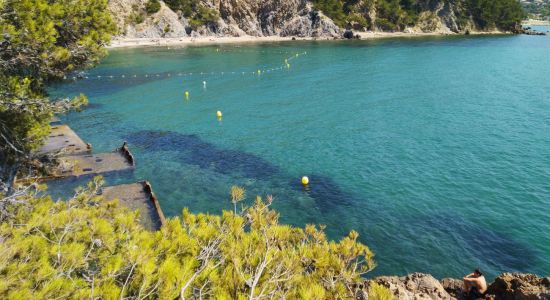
x,y
348,34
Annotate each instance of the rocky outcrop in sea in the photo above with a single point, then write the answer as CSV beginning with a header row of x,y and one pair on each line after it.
x,y
507,286
531,31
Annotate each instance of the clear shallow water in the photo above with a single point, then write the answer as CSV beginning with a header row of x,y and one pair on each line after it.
x,y
436,150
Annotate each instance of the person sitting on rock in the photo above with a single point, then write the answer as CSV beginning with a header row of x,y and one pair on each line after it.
x,y
475,285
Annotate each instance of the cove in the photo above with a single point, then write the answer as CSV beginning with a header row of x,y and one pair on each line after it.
x,y
436,150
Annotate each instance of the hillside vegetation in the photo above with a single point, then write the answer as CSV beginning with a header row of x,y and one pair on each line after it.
x,y
313,18
41,41
399,14
537,9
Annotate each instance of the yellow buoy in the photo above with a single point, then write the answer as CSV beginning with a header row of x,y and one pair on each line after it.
x,y
305,180
259,72
219,114
288,66
187,94
296,54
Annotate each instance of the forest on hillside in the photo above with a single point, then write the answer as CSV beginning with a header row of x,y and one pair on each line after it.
x,y
386,15
398,14
537,9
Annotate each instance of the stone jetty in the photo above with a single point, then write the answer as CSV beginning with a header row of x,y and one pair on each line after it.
x,y
74,158
138,196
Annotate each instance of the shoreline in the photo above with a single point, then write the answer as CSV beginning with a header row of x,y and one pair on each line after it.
x,y
535,23
125,42
519,286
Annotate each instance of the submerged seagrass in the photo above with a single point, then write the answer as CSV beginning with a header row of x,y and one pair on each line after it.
x,y
434,150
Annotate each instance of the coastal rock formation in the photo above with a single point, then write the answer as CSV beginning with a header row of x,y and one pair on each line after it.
x,y
164,23
123,11
248,17
416,286
453,286
274,17
518,286
441,19
529,31
313,24
507,286
277,18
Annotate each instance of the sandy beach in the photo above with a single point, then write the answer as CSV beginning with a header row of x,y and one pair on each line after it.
x,y
536,23
123,42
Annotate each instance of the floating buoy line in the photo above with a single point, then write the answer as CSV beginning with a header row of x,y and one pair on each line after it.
x,y
258,72
253,51
186,93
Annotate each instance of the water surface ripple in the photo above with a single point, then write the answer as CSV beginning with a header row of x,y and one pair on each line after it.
x,y
437,150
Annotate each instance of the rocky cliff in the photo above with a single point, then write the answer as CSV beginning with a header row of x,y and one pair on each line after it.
x,y
507,286
275,17
236,18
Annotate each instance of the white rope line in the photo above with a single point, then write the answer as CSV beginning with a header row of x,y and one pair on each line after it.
x,y
259,71
252,51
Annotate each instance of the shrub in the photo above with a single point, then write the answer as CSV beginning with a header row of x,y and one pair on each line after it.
x,y
137,18
197,14
152,6
334,9
380,292
502,14
203,16
88,247
354,17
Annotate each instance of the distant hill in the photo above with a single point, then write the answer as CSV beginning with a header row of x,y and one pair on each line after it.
x,y
537,9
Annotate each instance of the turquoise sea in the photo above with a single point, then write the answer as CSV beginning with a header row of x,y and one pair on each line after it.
x,y
436,150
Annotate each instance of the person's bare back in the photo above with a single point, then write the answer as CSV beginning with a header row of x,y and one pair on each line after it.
x,y
481,284
475,285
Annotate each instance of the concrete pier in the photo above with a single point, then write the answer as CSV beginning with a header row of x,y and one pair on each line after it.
x,y
65,141
55,121
138,196
75,158
79,165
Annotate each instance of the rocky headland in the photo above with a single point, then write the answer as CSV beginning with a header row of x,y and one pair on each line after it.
x,y
419,286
